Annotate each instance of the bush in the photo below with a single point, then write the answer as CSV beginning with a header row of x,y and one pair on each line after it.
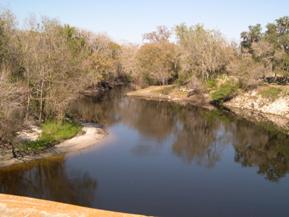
x,y
195,86
211,83
224,92
53,132
183,78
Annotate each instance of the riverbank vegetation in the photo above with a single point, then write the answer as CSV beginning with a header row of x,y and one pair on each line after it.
x,y
46,65
52,132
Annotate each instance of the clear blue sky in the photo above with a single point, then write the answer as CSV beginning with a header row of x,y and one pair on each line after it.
x,y
127,20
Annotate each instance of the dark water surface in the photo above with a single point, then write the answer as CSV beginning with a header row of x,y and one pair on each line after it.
x,y
166,160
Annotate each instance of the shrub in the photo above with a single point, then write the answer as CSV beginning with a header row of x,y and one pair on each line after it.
x,y
224,92
211,83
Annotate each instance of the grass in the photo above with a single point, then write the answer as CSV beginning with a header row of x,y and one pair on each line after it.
x,y
271,93
211,83
53,132
224,91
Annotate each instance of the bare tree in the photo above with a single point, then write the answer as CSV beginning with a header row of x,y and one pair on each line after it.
x,y
160,35
203,52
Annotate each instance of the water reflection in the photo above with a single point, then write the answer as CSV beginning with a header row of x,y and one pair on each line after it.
x,y
157,163
200,138
197,135
267,151
150,124
49,179
100,110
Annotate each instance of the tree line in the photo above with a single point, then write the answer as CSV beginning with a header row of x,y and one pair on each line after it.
x,y
45,65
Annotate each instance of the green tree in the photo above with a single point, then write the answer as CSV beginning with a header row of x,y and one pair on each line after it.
x,y
254,35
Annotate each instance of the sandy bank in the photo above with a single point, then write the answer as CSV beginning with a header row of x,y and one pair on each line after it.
x,y
16,206
91,136
253,101
249,105
171,93
255,107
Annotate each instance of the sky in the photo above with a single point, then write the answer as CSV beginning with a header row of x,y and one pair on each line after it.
x,y
128,20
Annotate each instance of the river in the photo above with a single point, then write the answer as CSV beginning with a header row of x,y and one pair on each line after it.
x,y
164,159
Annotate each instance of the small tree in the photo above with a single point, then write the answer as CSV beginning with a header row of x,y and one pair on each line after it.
x,y
128,61
157,62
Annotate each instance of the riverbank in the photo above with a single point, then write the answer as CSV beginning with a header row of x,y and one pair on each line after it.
x,y
91,135
16,206
267,103
172,93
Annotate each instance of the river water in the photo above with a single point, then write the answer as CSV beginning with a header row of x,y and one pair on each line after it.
x,y
164,159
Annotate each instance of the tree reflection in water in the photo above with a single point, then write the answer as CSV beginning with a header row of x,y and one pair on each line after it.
x,y
48,179
197,135
200,138
269,151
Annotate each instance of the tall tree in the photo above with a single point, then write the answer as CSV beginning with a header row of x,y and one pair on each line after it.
x,y
204,53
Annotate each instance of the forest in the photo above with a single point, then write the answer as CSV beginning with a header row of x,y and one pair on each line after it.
x,y
46,65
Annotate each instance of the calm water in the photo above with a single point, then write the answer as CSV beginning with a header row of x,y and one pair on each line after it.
x,y
166,160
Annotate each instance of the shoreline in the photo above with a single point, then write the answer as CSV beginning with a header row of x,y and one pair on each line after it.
x,y
180,97
92,135
278,120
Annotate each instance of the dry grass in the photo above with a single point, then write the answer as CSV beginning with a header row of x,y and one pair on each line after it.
x,y
273,92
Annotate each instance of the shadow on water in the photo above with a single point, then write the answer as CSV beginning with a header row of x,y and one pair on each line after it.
x,y
48,179
179,157
199,135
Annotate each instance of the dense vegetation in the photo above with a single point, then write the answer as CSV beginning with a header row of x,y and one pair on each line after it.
x,y
44,66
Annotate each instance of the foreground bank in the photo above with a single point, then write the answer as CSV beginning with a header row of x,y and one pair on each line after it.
x,y
16,206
